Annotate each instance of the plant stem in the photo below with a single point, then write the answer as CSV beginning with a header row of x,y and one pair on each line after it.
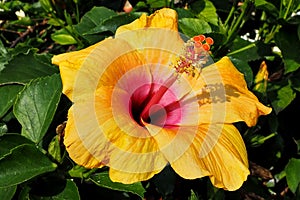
x,y
276,28
171,5
288,9
77,17
267,137
232,10
232,32
235,26
242,49
270,36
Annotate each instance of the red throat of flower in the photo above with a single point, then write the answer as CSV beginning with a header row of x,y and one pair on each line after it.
x,y
156,103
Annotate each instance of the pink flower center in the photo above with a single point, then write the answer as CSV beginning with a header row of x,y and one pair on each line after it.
x,y
155,104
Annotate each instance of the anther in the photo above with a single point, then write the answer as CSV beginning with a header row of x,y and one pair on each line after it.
x,y
195,55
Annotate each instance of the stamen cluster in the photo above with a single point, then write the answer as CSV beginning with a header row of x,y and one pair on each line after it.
x,y
195,55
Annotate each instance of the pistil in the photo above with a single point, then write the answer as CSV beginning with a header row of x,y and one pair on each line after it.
x,y
194,56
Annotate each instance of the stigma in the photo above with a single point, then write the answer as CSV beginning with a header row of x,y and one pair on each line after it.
x,y
195,55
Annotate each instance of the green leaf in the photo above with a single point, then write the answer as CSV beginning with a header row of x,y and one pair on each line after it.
x,y
219,39
244,50
62,37
244,68
7,192
295,80
281,95
92,19
209,13
111,24
298,145
8,95
3,50
3,128
298,32
69,193
36,106
165,181
55,21
95,17
193,196
25,67
290,6
214,193
266,6
157,3
46,60
292,170
10,141
289,44
80,172
141,5
24,192
193,26
3,56
184,13
46,4
102,179
24,163
54,149
21,49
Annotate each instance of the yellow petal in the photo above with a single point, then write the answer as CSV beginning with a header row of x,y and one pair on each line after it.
x,y
172,142
69,64
156,36
217,152
134,148
83,70
223,96
129,178
94,137
261,79
164,18
163,49
97,134
93,60
75,146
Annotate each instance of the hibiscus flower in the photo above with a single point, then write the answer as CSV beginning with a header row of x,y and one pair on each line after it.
x,y
144,100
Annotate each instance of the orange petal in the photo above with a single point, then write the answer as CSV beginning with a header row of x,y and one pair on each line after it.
x,y
217,151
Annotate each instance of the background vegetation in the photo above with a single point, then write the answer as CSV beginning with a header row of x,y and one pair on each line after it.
x,y
261,37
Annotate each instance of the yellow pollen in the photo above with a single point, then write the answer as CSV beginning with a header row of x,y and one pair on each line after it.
x,y
194,56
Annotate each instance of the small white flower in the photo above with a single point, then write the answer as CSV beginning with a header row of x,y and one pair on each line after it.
x,y
20,14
